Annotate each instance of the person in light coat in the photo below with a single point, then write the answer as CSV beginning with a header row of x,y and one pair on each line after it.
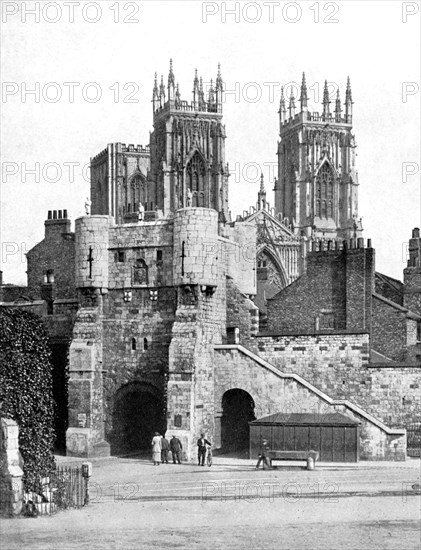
x,y
156,449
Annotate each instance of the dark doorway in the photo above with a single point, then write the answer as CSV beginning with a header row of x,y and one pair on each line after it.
x,y
237,412
138,413
59,360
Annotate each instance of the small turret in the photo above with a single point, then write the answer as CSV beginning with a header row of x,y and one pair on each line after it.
x,y
291,107
326,102
282,108
177,96
219,85
162,92
171,83
348,101
155,94
196,91
211,94
202,102
261,197
338,107
304,96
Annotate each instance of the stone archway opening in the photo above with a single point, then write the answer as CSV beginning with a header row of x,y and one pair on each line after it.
x,y
237,412
138,413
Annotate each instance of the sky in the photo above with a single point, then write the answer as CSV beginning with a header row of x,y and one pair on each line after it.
x,y
78,75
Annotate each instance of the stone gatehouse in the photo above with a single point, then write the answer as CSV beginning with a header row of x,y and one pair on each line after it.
x,y
176,317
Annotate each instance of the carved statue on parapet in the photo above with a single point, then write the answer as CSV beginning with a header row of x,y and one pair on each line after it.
x,y
140,211
88,204
189,197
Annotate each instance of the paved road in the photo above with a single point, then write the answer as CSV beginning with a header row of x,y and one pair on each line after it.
x,y
137,505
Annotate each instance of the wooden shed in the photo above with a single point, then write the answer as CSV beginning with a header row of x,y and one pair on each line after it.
x,y
335,436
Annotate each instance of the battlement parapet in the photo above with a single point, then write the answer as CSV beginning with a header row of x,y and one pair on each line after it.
x,y
319,118
120,148
189,107
326,245
131,148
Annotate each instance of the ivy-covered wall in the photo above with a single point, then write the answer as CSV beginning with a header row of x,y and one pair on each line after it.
x,y
26,392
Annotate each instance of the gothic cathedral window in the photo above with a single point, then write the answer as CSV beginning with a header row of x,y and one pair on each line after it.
x,y
196,172
324,192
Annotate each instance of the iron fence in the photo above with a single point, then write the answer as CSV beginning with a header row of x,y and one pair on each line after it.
x,y
64,488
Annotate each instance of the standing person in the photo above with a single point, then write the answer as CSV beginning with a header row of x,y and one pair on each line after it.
x,y
201,449
176,448
165,447
263,455
156,449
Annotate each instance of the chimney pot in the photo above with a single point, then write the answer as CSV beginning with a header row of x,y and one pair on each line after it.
x,y
360,242
50,214
54,214
369,243
416,233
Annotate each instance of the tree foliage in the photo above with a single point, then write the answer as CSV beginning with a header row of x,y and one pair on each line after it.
x,y
26,393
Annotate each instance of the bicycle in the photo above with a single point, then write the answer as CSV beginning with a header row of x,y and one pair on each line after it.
x,y
209,457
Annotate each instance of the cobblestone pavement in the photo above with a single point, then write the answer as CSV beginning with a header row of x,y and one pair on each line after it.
x,y
230,505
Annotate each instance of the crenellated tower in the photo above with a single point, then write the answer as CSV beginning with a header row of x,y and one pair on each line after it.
x,y
317,185
188,148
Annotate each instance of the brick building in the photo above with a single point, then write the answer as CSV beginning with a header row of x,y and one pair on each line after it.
x,y
157,293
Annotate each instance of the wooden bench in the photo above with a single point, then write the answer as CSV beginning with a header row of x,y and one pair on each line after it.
x,y
293,455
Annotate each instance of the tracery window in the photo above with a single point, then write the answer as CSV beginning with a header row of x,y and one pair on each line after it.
x,y
196,172
134,193
324,192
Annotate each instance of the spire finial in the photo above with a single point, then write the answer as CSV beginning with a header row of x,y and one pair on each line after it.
x,y
219,83
348,93
195,81
261,197
303,96
282,109
348,101
326,101
291,106
211,93
155,85
171,79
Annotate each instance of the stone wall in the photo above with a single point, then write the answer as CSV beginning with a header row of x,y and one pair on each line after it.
x,y
147,246
339,366
11,485
274,391
136,340
85,434
242,313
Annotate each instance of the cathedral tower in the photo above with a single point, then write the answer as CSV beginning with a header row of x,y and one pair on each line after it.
x,y
187,148
317,185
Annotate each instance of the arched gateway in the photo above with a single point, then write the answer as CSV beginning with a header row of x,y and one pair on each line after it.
x,y
138,413
237,412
